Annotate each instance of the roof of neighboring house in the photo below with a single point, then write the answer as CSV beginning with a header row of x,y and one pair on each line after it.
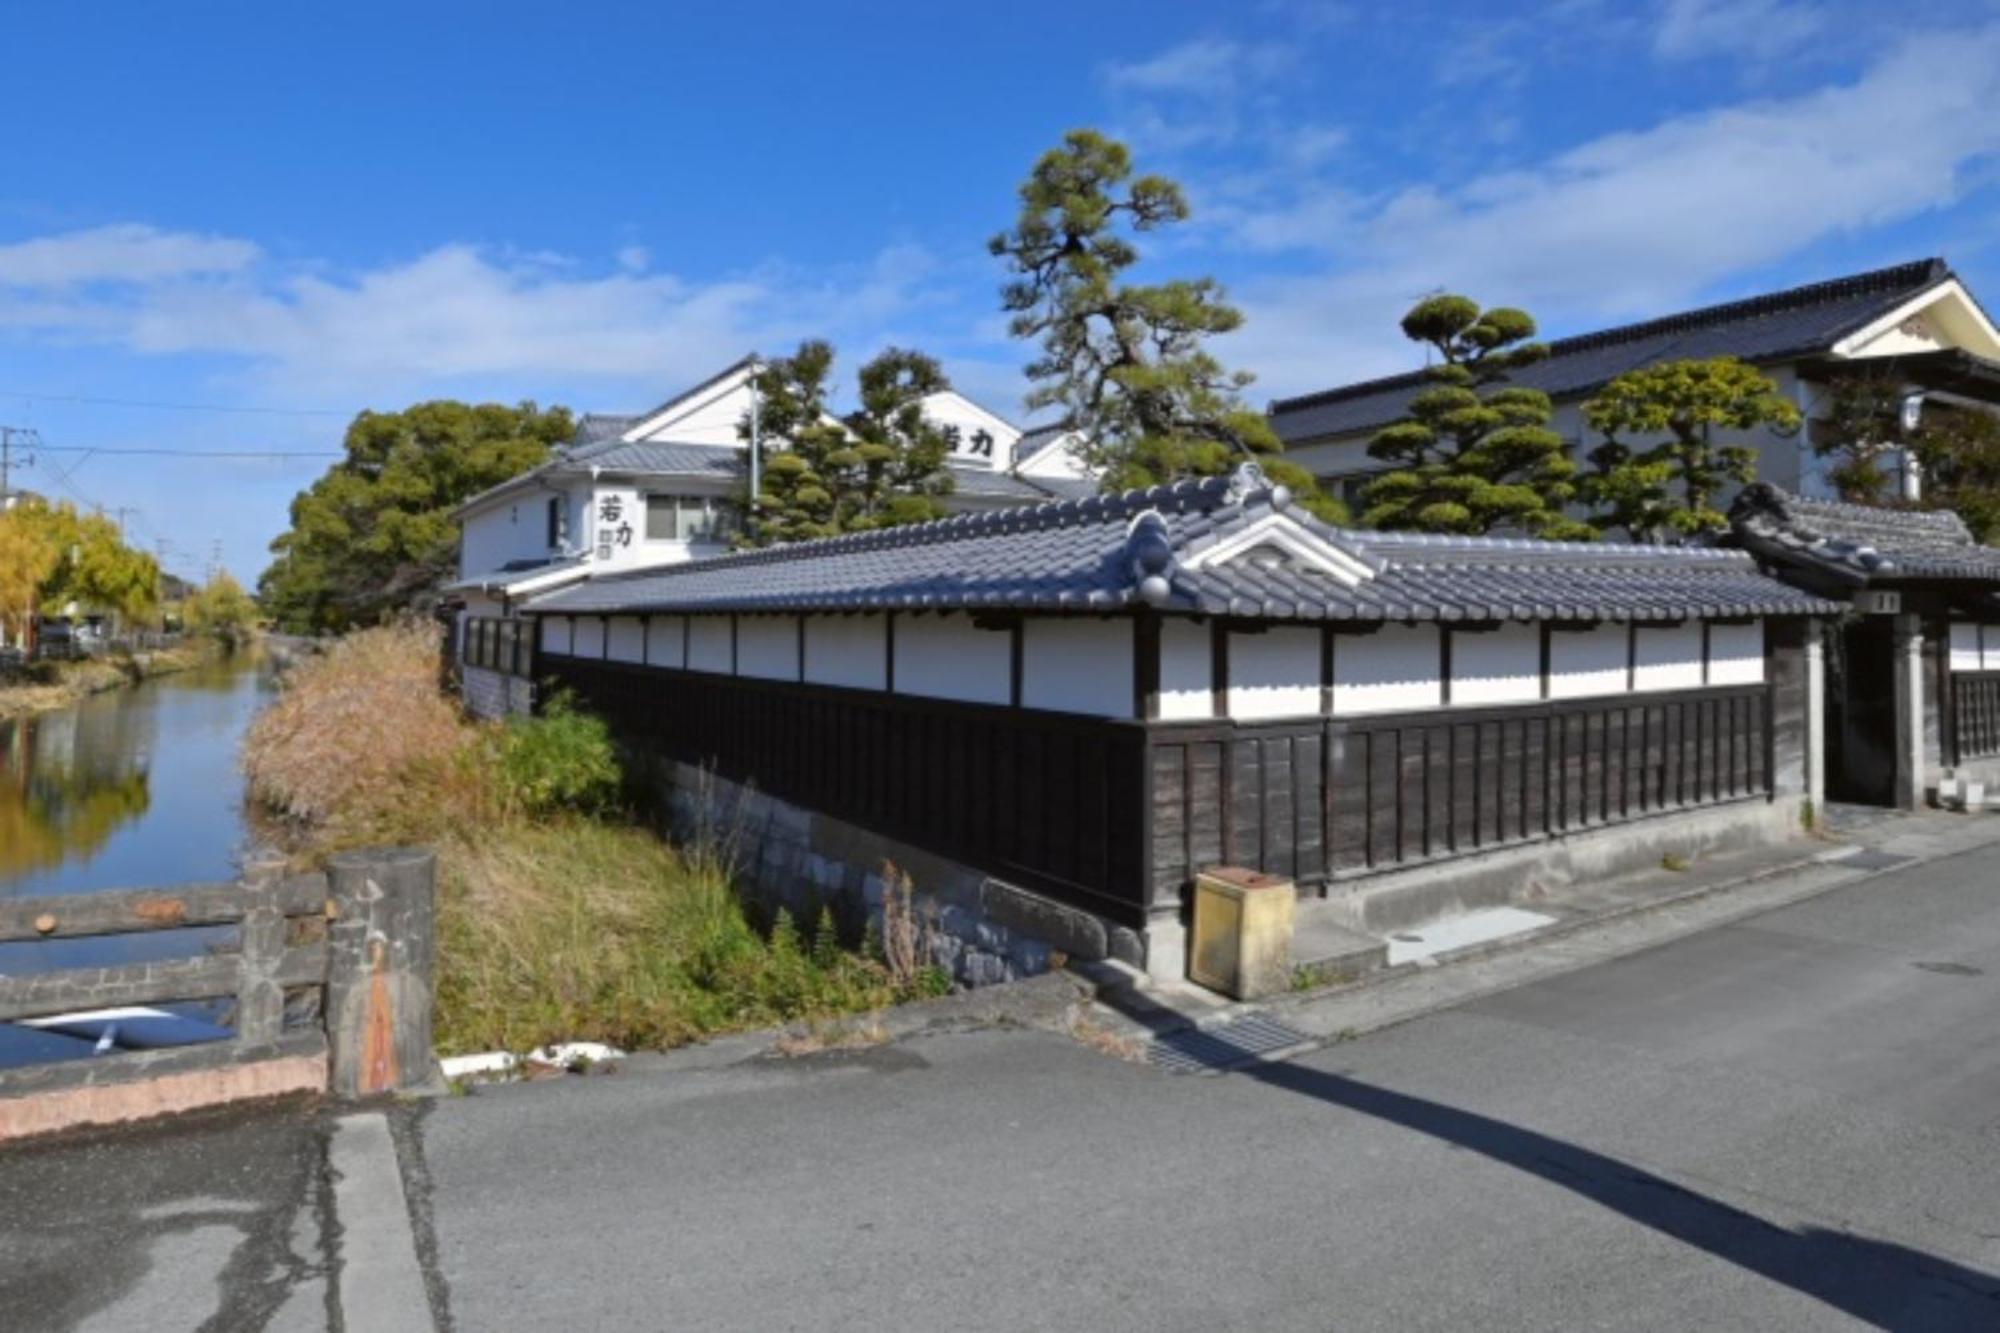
x,y
1859,543
1232,545
517,576
1037,438
653,458
597,426
1765,328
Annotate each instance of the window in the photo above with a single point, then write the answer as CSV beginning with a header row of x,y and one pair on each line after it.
x,y
558,523
689,518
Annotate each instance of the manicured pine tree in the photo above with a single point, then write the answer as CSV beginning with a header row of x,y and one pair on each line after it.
x,y
1475,454
1126,364
1667,490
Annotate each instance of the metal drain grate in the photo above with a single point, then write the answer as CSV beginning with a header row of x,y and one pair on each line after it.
x,y
1194,1050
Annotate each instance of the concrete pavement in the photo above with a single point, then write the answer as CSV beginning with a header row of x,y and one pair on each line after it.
x,y
1778,1120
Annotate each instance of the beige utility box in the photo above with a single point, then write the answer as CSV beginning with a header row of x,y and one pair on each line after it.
x,y
1242,932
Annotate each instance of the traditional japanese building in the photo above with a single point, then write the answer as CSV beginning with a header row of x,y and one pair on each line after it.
x,y
1916,325
1913,670
1053,717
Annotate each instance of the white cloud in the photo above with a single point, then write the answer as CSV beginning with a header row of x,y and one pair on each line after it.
x,y
124,253
1202,93
1753,30
457,314
1630,223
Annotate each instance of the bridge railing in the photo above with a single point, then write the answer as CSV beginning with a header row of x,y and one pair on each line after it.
x,y
347,952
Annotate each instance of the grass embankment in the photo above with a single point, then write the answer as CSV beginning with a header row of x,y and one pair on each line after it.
x,y
47,686
560,918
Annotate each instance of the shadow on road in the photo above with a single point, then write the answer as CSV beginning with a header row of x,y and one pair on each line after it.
x,y
1878,1282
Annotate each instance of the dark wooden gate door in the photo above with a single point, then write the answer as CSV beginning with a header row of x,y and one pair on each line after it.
x,y
1861,712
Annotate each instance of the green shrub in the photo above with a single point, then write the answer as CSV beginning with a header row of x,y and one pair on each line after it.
x,y
562,760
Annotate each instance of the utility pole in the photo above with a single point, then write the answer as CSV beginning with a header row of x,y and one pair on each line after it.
x,y
26,436
118,513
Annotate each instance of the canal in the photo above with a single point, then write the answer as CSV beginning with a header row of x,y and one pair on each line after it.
x,y
128,789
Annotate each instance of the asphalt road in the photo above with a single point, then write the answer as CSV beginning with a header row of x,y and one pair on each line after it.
x,y
1785,1123
1788,1122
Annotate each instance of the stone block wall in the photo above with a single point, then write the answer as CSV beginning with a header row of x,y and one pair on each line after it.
x,y
980,930
492,694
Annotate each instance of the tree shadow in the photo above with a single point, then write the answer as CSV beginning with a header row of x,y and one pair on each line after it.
x,y
1879,1282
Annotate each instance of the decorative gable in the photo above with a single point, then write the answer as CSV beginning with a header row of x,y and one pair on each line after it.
x,y
1944,318
1278,544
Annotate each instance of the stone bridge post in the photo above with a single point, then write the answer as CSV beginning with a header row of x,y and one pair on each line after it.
x,y
381,956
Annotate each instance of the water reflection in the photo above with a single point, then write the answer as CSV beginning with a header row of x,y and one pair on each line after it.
x,y
131,788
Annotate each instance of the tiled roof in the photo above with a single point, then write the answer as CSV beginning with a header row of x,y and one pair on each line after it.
x,y
1037,438
1859,543
653,458
596,427
1147,547
1764,328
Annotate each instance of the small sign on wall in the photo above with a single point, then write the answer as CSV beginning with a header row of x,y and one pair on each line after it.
x,y
1878,602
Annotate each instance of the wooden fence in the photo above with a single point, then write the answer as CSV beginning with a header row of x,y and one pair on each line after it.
x,y
1975,715
346,953
1115,816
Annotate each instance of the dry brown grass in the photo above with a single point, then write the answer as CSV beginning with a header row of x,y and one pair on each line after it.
x,y
362,746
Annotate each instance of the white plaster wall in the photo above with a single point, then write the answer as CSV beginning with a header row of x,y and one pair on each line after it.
x,y
1736,654
1187,670
628,639
555,634
666,642
1501,666
1274,674
767,647
710,418
1990,655
848,651
589,637
1667,657
945,657
708,644
948,407
1077,665
1589,662
1965,654
514,526
1392,670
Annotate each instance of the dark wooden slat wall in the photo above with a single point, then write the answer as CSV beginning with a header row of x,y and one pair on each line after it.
x,y
1116,816
1051,801
1975,714
1360,795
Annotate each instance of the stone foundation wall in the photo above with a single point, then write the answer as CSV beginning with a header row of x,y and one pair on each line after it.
x,y
491,694
981,930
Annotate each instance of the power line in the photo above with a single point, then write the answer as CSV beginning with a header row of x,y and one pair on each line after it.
x,y
191,453
175,407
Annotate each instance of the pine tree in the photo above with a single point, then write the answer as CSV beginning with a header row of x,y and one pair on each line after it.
x,y
1126,364
1668,490
883,465
1475,453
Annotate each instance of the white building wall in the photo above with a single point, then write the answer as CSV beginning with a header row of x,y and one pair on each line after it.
x,y
1736,654
512,527
588,640
666,641
767,647
946,657
555,634
1502,666
1275,674
1187,670
1667,657
1586,663
1990,655
1965,651
708,645
848,651
628,639
1077,665
1395,669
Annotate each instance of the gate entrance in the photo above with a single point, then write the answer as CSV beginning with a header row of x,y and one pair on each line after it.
x,y
1861,712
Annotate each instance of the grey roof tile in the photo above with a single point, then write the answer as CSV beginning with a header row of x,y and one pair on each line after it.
x,y
1859,543
1096,554
1763,328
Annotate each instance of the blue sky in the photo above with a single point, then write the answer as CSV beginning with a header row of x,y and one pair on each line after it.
x,y
297,212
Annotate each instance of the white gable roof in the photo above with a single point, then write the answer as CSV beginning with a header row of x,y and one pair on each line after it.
x,y
1941,319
